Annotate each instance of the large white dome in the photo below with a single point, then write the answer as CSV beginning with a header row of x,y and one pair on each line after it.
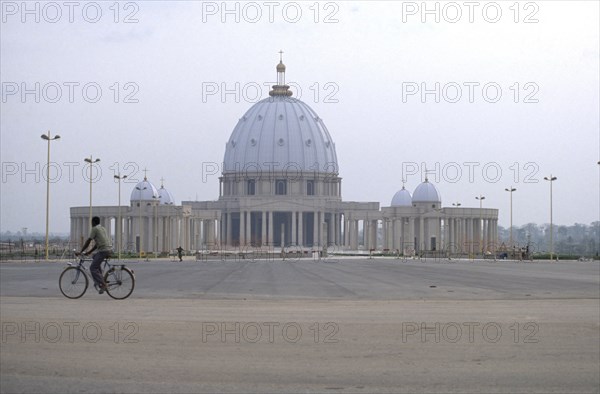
x,y
280,133
284,131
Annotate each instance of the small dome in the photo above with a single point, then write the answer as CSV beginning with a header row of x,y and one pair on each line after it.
x,y
426,192
144,191
402,198
166,198
281,67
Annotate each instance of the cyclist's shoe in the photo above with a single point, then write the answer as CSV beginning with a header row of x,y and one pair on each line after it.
x,y
101,289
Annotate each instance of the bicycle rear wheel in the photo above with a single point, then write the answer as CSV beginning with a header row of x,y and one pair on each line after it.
x,y
119,282
73,282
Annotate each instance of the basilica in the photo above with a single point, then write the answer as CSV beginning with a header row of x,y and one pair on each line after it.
x,y
280,187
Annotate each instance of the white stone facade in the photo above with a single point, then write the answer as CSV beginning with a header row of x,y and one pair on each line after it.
x,y
280,187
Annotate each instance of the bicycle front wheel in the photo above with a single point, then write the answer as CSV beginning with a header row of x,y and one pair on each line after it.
x,y
73,282
119,282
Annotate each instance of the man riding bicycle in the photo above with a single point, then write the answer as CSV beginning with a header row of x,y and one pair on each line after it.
x,y
103,244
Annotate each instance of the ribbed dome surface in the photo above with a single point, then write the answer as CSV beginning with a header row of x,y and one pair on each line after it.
x,y
284,131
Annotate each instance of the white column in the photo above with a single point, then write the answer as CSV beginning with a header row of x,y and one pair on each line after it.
x,y
336,228
462,235
330,239
263,237
409,242
270,235
489,235
395,233
449,222
242,228
228,230
470,235
354,234
386,233
151,232
374,228
216,233
300,229
421,234
346,231
248,228
316,228
294,240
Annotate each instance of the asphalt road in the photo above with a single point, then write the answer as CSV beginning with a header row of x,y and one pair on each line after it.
x,y
340,326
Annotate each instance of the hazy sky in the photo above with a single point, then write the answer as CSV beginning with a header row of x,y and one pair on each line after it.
x,y
488,96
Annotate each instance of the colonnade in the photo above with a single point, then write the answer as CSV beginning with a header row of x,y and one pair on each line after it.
x,y
455,235
268,227
163,229
149,233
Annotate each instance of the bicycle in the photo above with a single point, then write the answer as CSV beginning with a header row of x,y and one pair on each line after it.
x,y
74,280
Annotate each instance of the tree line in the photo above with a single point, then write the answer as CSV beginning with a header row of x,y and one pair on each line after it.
x,y
577,239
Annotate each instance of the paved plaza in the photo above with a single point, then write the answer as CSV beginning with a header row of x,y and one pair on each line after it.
x,y
340,325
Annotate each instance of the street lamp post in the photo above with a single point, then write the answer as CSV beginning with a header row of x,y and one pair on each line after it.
x,y
459,225
156,202
480,198
511,190
551,179
48,138
140,216
91,162
120,229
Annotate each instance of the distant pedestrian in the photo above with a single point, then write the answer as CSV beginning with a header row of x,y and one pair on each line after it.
x,y
180,253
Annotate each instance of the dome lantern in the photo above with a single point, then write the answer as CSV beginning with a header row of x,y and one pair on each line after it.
x,y
281,89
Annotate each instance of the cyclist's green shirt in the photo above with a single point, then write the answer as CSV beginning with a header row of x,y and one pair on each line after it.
x,y
98,234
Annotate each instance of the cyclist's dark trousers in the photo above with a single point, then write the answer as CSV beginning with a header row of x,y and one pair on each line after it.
x,y
96,269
